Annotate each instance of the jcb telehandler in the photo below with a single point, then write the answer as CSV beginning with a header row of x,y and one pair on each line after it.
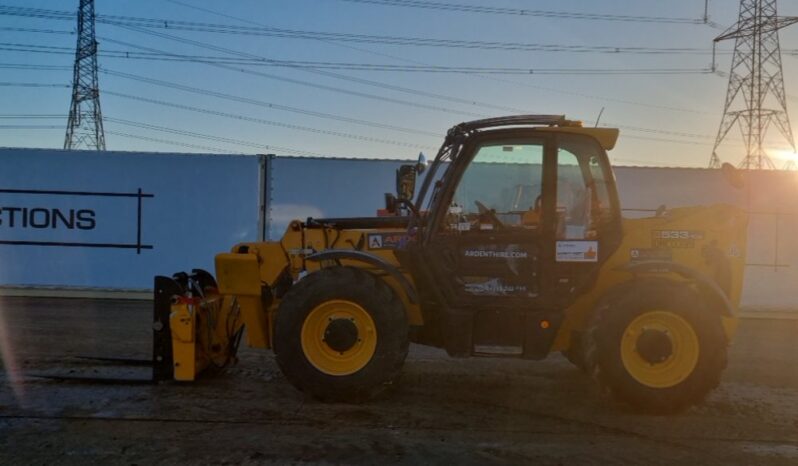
x,y
513,247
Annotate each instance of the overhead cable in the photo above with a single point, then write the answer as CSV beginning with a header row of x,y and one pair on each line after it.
x,y
324,65
260,103
268,31
439,96
334,89
265,122
494,10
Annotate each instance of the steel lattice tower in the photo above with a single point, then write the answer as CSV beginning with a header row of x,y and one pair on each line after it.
x,y
85,126
756,80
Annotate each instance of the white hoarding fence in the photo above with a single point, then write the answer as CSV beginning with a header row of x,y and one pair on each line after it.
x,y
113,220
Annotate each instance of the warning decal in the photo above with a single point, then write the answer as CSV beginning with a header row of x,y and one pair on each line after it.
x,y
577,251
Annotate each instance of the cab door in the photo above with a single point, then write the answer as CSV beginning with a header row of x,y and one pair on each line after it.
x,y
492,244
521,226
587,213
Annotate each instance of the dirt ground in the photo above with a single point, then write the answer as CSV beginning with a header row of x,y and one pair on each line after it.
x,y
444,411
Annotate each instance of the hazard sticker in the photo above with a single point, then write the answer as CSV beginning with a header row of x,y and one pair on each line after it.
x,y
577,251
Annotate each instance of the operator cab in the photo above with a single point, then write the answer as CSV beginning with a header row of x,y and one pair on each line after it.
x,y
519,222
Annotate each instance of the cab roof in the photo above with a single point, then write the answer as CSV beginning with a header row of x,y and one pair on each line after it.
x,y
606,137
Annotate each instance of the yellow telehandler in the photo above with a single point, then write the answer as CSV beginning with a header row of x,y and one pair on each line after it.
x,y
513,246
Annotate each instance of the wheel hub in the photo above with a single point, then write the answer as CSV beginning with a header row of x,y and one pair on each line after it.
x,y
339,337
341,334
654,346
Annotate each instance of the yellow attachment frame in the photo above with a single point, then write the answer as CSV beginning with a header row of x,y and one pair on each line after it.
x,y
205,334
183,323
239,276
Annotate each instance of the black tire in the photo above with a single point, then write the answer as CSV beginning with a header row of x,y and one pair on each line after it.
x,y
377,299
576,353
602,347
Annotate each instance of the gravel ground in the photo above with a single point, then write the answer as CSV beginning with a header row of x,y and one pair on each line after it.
x,y
455,411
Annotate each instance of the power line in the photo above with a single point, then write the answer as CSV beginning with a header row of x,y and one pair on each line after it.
x,y
67,15
17,127
339,76
164,129
36,13
33,67
260,103
458,7
29,116
658,131
38,31
323,65
269,147
212,47
266,104
266,122
22,84
427,42
299,81
438,96
209,137
170,142
422,91
268,31
396,40
624,162
225,50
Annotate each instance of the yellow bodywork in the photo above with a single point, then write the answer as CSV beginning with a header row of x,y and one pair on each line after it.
x,y
275,258
250,276
723,227
203,330
183,323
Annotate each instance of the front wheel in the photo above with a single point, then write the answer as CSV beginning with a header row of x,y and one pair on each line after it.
x,y
341,335
657,348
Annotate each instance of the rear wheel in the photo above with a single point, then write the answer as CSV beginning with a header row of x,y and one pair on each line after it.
x,y
341,335
657,348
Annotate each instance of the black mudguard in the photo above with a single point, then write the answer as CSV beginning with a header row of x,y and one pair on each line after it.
x,y
706,285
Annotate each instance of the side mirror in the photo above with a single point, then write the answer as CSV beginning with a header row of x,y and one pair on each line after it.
x,y
733,176
406,182
421,165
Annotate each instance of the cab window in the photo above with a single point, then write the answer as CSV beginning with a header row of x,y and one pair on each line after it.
x,y
583,196
500,188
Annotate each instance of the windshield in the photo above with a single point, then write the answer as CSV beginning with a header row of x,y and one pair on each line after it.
x,y
505,178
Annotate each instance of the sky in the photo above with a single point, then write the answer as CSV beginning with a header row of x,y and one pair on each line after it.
x,y
188,105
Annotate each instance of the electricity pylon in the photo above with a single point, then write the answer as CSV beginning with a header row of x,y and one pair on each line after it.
x,y
85,126
756,79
